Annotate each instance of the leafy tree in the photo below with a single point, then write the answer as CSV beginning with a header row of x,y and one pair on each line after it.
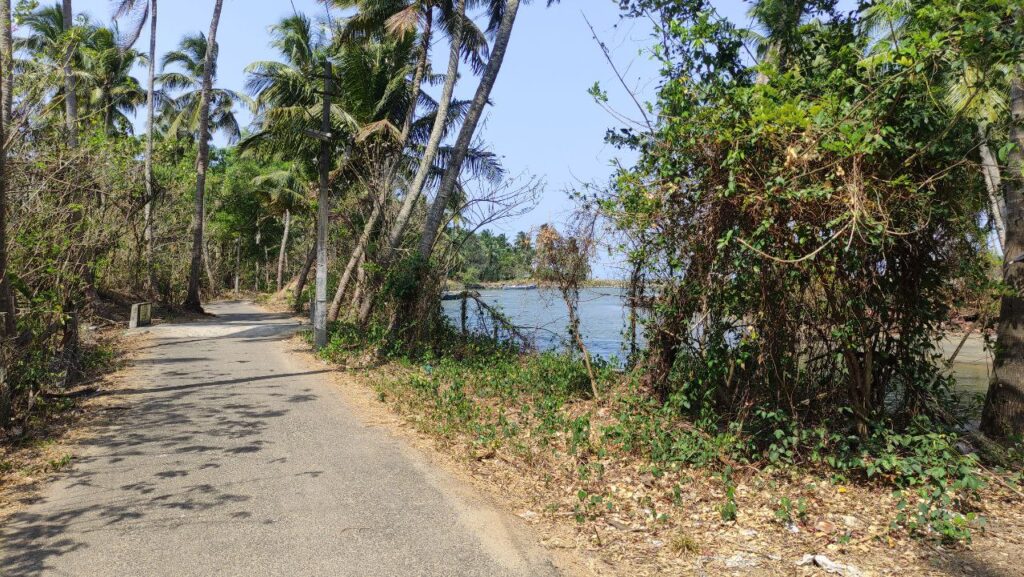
x,y
810,225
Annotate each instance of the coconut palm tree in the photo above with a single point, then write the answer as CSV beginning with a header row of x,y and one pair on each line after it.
x,y
182,92
50,49
70,97
204,113
284,192
503,17
6,60
1003,414
106,78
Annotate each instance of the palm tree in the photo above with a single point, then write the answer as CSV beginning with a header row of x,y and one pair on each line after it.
x,y
284,192
142,10
502,29
49,48
106,72
192,300
6,60
399,18
70,98
181,114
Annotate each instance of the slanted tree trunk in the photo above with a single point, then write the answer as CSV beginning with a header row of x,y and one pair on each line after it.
x,y
993,183
303,275
150,113
357,255
9,326
359,252
415,189
1003,414
6,56
70,98
192,300
483,92
284,248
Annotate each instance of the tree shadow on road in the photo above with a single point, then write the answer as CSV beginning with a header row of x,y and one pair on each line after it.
x,y
154,459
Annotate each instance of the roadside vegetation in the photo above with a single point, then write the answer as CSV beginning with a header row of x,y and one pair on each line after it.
x,y
817,194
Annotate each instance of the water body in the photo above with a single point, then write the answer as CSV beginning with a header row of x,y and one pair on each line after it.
x,y
604,325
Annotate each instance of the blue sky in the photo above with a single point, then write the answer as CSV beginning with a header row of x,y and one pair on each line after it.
x,y
543,122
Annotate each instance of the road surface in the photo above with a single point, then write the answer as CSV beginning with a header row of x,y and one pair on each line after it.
x,y
233,457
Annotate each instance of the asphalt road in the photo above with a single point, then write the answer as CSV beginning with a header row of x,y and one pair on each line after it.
x,y
233,457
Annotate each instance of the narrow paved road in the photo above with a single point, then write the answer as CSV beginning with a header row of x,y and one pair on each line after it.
x,y
232,457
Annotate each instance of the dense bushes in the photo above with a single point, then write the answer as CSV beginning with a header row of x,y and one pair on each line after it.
x,y
811,223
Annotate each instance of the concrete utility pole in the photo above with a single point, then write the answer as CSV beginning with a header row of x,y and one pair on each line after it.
x,y
323,216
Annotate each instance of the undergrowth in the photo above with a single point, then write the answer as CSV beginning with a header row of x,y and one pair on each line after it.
x,y
499,398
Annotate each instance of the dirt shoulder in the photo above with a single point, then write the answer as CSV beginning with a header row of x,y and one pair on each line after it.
x,y
33,455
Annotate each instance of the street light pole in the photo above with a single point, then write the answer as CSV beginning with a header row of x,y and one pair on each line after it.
x,y
323,216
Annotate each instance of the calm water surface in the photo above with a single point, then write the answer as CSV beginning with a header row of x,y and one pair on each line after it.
x,y
604,324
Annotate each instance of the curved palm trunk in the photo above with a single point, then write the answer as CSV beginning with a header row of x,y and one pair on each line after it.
x,y
358,254
284,248
1003,414
483,92
414,191
192,300
150,113
303,275
70,98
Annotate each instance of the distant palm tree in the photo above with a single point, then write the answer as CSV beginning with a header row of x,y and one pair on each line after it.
x,y
106,76
284,192
47,44
203,111
182,92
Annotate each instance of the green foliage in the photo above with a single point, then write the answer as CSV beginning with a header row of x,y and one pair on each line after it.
x,y
790,512
486,257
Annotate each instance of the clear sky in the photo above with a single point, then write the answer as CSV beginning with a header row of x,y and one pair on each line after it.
x,y
543,122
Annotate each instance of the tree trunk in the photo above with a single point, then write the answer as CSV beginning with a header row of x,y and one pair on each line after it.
x,y
238,264
284,248
358,254
9,324
429,153
150,113
483,92
417,78
303,275
6,62
993,182
1003,415
70,98
192,300
357,294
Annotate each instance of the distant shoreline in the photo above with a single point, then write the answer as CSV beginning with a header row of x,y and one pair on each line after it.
x,y
495,285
